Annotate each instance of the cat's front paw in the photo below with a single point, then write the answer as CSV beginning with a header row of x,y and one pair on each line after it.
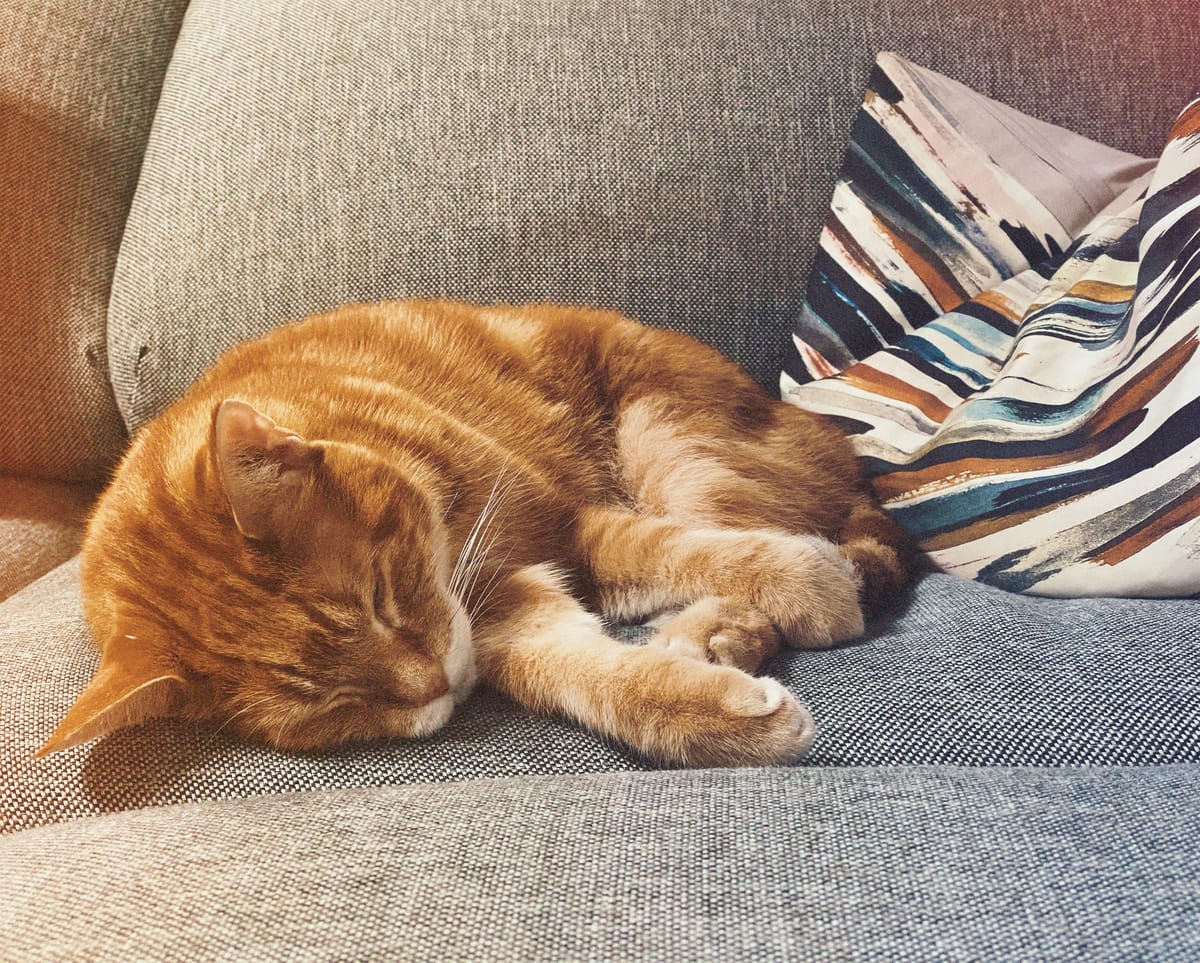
x,y
740,720
722,631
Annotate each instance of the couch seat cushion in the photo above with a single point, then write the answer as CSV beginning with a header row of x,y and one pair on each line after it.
x,y
895,863
963,674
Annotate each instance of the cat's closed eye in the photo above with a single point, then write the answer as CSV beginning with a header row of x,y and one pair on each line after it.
x,y
379,601
343,696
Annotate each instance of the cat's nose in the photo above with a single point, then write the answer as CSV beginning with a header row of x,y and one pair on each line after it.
x,y
435,685
418,682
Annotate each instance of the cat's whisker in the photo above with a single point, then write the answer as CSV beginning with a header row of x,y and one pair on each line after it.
x,y
493,583
465,552
465,557
483,556
295,714
279,723
493,512
242,711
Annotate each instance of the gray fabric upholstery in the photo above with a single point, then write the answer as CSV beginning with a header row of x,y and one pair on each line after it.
x,y
78,87
965,674
853,864
973,675
41,525
669,161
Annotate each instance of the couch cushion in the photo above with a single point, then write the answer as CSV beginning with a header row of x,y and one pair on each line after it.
x,y
628,155
965,674
41,525
79,84
973,675
850,864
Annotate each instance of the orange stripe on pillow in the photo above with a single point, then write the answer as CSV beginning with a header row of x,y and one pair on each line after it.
x,y
938,281
1188,124
1139,392
1183,509
876,382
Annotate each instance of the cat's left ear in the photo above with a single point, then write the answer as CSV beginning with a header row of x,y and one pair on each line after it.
x,y
262,467
129,688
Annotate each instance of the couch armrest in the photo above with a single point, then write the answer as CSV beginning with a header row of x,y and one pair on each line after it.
x,y
41,526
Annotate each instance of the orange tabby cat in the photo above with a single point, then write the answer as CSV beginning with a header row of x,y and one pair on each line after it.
x,y
343,523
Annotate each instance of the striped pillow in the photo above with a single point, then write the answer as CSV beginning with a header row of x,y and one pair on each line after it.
x,y
1004,316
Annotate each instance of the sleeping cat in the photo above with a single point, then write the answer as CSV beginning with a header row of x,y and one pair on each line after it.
x,y
345,523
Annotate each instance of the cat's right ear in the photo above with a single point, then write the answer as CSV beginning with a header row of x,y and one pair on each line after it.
x,y
129,688
262,467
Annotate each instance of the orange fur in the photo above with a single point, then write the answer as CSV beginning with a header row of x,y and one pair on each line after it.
x,y
321,539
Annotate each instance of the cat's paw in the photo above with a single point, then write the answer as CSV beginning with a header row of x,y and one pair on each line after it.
x,y
808,589
721,631
748,722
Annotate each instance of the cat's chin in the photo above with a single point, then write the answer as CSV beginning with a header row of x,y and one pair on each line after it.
x,y
459,664
432,716
459,667
370,724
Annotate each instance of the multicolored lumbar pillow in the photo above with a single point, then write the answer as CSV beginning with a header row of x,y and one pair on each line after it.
x,y
1005,317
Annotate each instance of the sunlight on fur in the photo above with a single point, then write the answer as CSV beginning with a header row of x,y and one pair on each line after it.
x,y
344,523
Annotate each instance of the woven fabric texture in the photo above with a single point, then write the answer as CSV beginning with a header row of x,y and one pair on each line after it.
x,y
41,525
670,161
965,675
878,864
80,83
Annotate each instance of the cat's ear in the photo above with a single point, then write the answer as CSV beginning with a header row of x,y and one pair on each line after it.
x,y
262,467
129,688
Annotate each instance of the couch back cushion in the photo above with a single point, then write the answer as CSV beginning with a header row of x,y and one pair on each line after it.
x,y
78,86
635,155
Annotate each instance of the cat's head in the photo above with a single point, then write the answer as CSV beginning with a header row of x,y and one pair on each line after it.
x,y
295,592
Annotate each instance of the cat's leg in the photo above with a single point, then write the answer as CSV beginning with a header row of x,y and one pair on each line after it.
x,y
543,649
721,630
792,472
641,566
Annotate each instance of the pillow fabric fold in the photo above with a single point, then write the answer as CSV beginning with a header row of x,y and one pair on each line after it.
x,y
1003,315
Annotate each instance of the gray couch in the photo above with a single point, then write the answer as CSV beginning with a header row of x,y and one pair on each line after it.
x,y
995,776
